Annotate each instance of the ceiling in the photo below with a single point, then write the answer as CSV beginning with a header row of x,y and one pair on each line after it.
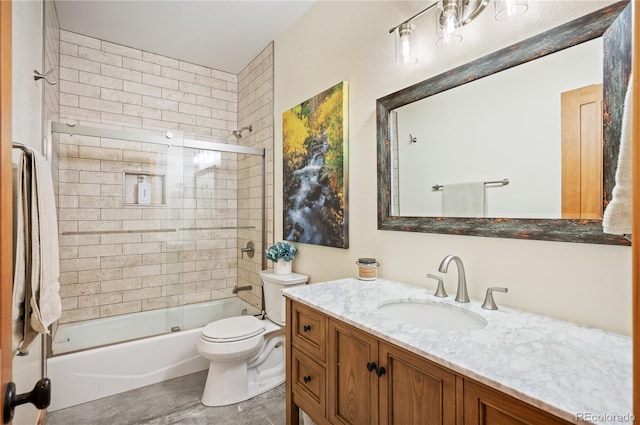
x,y
224,35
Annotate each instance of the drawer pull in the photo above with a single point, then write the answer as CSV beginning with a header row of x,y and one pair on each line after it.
x,y
307,379
381,371
371,366
306,328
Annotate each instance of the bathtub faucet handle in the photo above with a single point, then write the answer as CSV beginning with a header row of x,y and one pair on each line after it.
x,y
250,249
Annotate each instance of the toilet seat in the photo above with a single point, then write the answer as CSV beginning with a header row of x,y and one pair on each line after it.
x,y
233,329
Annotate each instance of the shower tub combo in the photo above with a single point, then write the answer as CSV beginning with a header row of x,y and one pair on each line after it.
x,y
181,246
90,374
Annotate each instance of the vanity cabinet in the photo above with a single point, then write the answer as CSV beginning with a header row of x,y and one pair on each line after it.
x,y
486,406
358,379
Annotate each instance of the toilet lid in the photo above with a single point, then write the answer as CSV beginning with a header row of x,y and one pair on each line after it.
x,y
233,329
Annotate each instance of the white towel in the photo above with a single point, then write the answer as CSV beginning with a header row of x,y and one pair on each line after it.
x,y
463,200
617,216
41,260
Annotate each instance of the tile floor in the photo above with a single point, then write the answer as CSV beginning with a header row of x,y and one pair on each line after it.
x,y
173,402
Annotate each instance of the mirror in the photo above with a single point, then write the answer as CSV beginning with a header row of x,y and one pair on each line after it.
x,y
412,156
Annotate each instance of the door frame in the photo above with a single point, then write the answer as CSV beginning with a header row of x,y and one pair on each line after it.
x,y
6,198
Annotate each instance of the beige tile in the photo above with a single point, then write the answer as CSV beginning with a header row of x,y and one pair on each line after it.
x,y
122,308
120,214
160,60
140,271
99,105
125,261
143,111
120,285
118,72
142,66
195,89
196,69
78,214
80,64
71,87
78,315
117,95
85,301
101,250
79,264
89,200
95,79
143,89
175,74
196,297
154,102
99,275
121,238
100,177
100,153
142,248
179,96
74,290
155,80
99,226
141,294
121,50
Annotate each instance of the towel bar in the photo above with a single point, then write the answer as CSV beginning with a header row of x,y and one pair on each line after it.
x,y
502,182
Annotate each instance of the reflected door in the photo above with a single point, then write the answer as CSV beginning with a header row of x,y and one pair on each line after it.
x,y
582,152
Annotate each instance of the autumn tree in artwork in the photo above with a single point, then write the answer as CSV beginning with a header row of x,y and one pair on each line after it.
x,y
313,170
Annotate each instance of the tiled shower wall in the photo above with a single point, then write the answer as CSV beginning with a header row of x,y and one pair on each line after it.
x,y
108,85
255,108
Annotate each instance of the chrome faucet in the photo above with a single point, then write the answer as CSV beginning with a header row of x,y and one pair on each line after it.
x,y
461,294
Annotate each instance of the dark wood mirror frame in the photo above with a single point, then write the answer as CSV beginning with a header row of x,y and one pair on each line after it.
x,y
613,23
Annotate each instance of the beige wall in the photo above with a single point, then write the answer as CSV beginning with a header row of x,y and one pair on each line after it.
x,y
336,41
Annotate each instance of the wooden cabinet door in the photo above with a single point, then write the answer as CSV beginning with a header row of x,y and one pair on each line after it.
x,y
353,389
414,390
485,406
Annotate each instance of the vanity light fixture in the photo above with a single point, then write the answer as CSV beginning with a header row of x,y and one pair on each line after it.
x,y
510,9
405,48
451,15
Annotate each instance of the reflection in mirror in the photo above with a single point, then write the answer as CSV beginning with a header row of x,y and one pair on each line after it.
x,y
490,129
512,115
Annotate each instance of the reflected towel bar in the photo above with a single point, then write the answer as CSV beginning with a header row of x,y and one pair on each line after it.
x,y
502,182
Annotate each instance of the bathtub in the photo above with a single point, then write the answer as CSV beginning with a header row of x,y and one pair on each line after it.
x,y
111,368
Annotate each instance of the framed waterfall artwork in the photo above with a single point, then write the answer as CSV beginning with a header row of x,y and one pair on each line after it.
x,y
314,161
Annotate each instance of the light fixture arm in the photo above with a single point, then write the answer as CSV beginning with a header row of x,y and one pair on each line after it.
x,y
422,12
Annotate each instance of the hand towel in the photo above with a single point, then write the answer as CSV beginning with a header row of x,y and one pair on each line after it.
x,y
617,216
463,200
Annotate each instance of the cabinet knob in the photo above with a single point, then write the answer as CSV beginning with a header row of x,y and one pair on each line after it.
x,y
307,379
381,371
306,328
371,366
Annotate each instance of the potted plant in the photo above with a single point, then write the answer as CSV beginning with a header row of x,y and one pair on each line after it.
x,y
282,254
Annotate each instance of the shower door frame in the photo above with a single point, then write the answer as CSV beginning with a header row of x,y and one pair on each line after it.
x,y
167,138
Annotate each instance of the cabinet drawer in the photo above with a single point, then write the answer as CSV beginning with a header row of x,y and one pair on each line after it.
x,y
309,329
309,382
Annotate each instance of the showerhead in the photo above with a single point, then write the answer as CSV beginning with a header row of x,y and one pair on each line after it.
x,y
238,133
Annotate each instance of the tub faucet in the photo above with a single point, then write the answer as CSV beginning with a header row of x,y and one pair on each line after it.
x,y
461,294
241,288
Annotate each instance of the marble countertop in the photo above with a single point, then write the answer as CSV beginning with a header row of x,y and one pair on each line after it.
x,y
578,373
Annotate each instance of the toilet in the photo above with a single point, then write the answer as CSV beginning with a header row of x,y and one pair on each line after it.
x,y
246,354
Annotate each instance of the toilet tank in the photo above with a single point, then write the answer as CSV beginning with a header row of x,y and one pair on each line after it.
x,y
274,302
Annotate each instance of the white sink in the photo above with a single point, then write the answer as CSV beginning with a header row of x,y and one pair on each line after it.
x,y
432,316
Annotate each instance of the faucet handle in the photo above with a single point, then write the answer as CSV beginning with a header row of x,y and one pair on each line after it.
x,y
440,292
488,303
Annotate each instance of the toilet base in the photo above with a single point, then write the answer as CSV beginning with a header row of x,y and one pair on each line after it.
x,y
233,382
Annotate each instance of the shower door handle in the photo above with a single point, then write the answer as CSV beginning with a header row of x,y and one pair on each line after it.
x,y
40,397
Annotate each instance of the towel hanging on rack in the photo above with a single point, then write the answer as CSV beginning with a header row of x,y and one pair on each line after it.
x,y
36,285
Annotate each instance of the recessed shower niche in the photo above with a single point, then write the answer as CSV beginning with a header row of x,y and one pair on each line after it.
x,y
144,189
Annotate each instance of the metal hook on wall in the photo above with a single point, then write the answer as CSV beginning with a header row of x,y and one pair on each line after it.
x,y
38,76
